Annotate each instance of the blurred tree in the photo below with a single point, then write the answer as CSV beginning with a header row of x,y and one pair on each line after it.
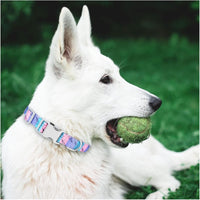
x,y
12,12
31,21
195,6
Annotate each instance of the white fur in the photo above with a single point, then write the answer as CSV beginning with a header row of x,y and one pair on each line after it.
x,y
71,96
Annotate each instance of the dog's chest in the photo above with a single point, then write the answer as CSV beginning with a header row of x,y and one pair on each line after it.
x,y
77,176
45,171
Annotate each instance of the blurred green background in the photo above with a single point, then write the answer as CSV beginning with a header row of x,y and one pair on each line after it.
x,y
154,43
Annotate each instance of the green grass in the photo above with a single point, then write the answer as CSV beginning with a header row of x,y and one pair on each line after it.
x,y
168,69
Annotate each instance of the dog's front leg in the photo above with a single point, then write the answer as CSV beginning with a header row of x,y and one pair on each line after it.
x,y
148,163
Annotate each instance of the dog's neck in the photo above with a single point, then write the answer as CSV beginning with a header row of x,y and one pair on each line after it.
x,y
68,123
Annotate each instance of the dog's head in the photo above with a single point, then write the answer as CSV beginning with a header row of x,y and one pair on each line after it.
x,y
86,84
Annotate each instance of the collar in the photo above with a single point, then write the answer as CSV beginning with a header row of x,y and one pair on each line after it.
x,y
48,130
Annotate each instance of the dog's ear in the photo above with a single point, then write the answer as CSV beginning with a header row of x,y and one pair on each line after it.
x,y
84,27
67,34
65,43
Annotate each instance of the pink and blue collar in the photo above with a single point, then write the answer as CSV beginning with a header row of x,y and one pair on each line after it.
x,y
48,130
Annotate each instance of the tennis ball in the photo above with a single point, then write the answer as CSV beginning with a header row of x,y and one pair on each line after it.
x,y
134,129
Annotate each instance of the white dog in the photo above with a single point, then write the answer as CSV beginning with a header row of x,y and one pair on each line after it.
x,y
82,91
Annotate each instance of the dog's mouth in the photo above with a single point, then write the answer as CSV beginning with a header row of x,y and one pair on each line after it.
x,y
111,130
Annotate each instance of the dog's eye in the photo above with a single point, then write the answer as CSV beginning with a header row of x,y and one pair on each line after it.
x,y
106,79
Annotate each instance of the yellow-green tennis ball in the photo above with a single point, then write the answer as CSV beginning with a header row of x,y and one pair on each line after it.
x,y
134,129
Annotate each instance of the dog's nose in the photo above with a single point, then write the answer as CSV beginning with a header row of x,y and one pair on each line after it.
x,y
155,103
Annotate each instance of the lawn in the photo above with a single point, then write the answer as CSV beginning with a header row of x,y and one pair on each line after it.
x,y
166,68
